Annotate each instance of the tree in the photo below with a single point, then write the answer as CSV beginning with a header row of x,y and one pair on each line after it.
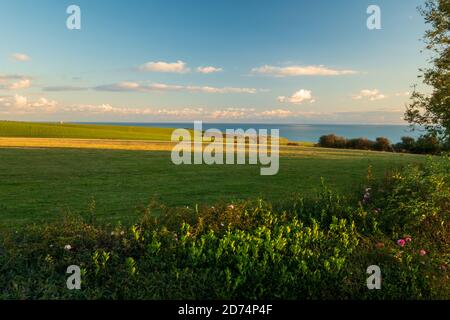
x,y
408,143
360,143
383,144
433,111
428,144
332,141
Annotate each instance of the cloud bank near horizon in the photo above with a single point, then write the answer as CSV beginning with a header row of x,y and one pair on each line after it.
x,y
46,109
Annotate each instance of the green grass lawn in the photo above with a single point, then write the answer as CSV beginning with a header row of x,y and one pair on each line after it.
x,y
39,185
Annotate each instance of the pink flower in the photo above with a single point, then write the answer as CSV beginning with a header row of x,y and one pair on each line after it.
x,y
401,242
408,239
422,252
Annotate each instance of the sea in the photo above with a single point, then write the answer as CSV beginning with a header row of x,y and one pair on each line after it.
x,y
296,132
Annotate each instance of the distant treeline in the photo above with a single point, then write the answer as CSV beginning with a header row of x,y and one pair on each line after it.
x,y
426,144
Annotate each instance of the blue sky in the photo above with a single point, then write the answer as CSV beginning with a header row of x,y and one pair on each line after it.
x,y
218,61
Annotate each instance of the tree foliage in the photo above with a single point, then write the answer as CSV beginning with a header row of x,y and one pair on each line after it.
x,y
433,110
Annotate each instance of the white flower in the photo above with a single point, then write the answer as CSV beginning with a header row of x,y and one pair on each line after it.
x,y
231,206
122,233
67,247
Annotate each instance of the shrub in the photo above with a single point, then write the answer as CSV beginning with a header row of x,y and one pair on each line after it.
x,y
316,247
360,143
427,144
332,141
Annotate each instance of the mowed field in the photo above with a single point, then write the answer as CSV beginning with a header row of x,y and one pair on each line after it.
x,y
42,179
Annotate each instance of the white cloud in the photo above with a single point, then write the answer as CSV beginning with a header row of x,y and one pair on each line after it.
x,y
298,97
20,57
21,84
207,89
13,82
209,69
161,66
291,71
20,101
108,109
128,86
231,113
136,87
371,95
18,104
385,116
102,109
172,113
276,113
184,112
44,104
155,87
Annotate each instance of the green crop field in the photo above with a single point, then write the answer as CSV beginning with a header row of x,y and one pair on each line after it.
x,y
82,131
42,184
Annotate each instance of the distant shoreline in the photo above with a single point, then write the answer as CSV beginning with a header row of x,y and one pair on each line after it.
x,y
229,123
293,132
